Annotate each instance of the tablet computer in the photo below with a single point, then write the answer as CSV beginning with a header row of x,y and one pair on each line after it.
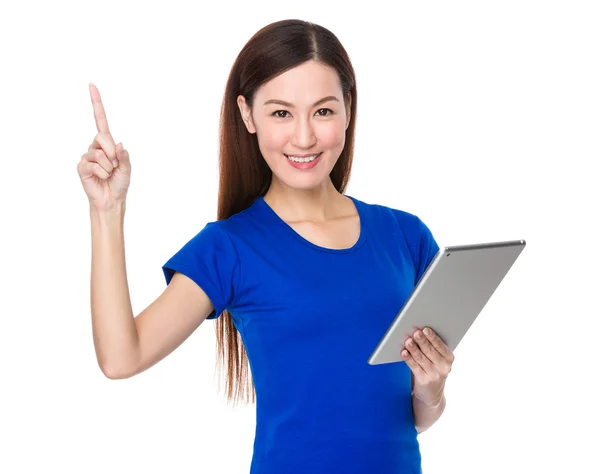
x,y
449,296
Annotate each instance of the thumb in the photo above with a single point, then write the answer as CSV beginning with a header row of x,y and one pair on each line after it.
x,y
122,156
118,150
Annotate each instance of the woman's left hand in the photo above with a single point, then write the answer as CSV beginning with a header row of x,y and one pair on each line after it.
x,y
430,361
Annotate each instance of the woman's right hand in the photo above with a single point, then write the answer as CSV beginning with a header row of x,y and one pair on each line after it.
x,y
105,170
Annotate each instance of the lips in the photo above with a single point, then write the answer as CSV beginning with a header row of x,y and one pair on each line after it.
x,y
304,156
304,165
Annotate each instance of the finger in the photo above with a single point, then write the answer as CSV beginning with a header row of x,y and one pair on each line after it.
x,y
419,357
98,156
118,151
99,113
440,346
415,368
91,168
123,156
105,143
427,348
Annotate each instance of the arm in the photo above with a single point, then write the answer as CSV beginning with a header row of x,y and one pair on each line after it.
x,y
426,415
126,346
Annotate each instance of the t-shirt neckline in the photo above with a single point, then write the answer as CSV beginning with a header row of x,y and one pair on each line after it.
x,y
284,225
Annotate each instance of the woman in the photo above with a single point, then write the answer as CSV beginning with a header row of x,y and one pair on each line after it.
x,y
301,276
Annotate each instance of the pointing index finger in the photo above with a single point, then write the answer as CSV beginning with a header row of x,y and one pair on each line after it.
x,y
99,113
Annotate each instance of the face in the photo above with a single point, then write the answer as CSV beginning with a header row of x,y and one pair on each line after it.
x,y
304,125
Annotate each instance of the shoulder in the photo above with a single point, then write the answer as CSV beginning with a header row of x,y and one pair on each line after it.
x,y
234,227
379,214
404,226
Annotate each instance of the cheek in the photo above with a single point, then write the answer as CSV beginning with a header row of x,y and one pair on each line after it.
x,y
273,138
334,137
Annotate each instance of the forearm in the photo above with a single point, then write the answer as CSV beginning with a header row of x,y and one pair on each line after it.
x,y
426,415
113,325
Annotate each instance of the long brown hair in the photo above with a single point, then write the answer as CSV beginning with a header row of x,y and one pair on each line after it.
x,y
243,172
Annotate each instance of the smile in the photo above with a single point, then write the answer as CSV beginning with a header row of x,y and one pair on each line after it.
x,y
304,162
298,159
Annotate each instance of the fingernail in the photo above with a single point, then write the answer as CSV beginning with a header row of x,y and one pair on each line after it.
x,y
115,163
427,331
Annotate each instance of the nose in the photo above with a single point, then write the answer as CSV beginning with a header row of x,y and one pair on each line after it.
x,y
304,134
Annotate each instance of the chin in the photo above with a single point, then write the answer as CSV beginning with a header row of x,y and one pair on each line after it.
x,y
302,184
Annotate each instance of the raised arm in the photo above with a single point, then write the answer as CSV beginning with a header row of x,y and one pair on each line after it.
x,y
126,345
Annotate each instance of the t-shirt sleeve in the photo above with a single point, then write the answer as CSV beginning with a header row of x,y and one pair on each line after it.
x,y
211,261
425,249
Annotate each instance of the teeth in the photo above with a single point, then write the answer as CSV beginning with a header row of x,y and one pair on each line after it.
x,y
297,159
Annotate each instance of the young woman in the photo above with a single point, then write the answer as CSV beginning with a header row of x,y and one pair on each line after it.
x,y
302,279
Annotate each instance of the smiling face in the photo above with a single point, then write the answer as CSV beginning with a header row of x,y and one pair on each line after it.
x,y
300,112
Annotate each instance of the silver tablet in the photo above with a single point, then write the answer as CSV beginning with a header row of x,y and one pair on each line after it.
x,y
453,290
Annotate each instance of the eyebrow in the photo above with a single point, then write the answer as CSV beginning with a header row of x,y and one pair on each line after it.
x,y
287,104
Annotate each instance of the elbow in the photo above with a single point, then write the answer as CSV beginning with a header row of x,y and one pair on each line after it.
x,y
116,367
110,373
420,429
114,372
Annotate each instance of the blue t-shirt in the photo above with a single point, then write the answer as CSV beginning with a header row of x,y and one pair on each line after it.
x,y
309,318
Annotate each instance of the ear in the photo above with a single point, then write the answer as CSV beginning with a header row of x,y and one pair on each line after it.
x,y
246,114
348,106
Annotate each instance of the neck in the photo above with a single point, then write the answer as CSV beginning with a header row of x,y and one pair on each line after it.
x,y
318,204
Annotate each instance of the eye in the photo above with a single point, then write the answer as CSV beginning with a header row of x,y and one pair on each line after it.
x,y
276,113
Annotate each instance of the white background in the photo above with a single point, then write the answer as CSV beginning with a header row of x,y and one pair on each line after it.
x,y
480,117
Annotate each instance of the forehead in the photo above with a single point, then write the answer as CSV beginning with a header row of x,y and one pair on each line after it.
x,y
303,84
